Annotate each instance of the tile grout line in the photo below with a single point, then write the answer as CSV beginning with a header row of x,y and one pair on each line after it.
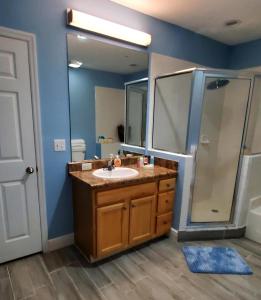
x,y
46,270
102,293
93,280
73,283
9,276
126,274
168,262
79,261
139,254
34,290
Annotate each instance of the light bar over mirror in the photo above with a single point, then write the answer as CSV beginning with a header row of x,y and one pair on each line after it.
x,y
94,24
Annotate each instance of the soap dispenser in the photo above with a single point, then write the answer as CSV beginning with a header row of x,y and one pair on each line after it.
x,y
117,161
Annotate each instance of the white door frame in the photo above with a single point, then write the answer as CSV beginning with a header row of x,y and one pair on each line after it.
x,y
30,39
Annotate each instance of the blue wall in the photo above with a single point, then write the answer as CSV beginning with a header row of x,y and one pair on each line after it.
x,y
82,84
47,20
136,76
245,55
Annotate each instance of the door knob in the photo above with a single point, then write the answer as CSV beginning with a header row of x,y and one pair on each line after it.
x,y
29,170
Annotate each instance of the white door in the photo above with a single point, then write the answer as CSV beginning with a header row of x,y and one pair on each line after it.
x,y
20,232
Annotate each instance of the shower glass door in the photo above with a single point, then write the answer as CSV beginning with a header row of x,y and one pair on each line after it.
x,y
219,148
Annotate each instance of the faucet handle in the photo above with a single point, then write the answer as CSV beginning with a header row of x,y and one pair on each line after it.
x,y
111,162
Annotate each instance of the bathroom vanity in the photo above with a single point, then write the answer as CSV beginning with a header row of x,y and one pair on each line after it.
x,y
112,215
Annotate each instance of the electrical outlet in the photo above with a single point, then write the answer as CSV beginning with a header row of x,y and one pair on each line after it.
x,y
59,145
86,166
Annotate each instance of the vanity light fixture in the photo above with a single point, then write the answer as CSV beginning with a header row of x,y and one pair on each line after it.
x,y
75,64
87,22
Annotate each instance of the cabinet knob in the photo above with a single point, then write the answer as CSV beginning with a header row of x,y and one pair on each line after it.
x,y
124,207
167,201
133,205
168,185
165,222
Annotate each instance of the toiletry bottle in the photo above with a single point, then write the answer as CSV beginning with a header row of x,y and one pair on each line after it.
x,y
152,160
141,161
138,162
117,161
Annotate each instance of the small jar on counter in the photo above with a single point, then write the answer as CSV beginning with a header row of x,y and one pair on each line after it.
x,y
140,162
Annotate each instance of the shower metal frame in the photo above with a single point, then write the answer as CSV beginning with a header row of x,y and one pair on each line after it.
x,y
125,146
198,93
199,76
254,76
186,71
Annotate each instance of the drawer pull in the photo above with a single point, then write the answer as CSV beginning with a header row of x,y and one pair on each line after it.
x,y
167,184
124,207
165,202
164,223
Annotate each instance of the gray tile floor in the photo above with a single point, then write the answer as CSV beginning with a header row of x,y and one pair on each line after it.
x,y
157,271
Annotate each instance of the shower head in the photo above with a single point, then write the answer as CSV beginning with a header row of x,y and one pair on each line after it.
x,y
216,84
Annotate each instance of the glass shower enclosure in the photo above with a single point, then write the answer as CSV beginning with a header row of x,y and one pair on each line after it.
x,y
219,147
211,128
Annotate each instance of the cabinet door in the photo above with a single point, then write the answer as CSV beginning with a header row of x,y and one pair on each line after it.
x,y
142,219
112,228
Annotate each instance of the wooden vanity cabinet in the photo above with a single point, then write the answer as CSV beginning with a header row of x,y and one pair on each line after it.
x,y
165,205
142,219
112,228
108,221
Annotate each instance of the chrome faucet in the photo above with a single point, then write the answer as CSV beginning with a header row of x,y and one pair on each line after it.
x,y
111,163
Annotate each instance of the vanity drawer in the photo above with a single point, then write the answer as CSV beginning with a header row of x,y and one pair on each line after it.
x,y
167,184
126,193
165,202
164,223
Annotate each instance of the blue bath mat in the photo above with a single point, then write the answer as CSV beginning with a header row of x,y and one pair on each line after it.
x,y
215,260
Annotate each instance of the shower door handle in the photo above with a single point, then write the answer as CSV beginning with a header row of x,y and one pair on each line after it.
x,y
204,140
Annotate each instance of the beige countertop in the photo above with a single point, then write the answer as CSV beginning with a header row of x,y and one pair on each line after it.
x,y
145,175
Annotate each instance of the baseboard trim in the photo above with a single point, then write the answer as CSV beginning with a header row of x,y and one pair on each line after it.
x,y
174,232
60,242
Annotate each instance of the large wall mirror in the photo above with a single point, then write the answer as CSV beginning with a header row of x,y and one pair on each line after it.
x,y
106,85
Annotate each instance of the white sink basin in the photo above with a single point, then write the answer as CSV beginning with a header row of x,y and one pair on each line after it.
x,y
116,173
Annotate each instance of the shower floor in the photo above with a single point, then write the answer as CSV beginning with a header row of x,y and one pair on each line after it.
x,y
210,211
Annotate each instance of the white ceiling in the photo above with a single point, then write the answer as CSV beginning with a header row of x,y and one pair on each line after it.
x,y
206,16
105,57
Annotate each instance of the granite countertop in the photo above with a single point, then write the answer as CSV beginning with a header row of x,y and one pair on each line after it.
x,y
145,175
